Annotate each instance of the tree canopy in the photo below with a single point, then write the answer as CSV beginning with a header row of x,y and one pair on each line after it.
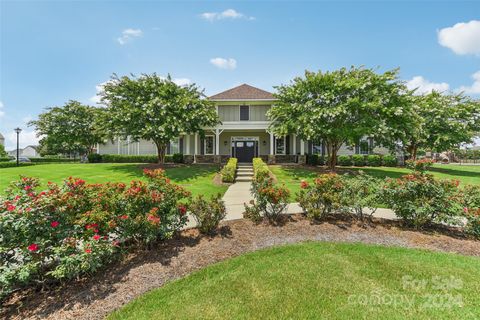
x,y
443,122
73,127
155,108
341,107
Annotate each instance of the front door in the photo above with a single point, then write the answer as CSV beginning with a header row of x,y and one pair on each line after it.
x,y
245,150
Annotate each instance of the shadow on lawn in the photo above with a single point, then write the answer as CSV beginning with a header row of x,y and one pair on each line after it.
x,y
178,173
455,172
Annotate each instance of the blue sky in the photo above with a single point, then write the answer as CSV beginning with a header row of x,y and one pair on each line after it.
x,y
55,51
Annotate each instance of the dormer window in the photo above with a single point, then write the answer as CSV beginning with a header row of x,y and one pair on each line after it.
x,y
244,113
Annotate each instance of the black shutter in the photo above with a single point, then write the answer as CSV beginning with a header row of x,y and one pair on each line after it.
x,y
310,147
323,149
168,148
370,145
244,113
357,147
287,145
202,148
180,147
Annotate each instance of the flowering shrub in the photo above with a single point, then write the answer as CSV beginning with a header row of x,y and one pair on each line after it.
x,y
228,171
360,192
208,214
471,209
422,165
420,199
270,199
322,197
76,228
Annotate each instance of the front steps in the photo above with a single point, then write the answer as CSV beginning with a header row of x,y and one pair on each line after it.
x,y
244,172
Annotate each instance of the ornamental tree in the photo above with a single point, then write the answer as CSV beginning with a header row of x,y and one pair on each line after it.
x,y
73,127
341,107
444,121
154,108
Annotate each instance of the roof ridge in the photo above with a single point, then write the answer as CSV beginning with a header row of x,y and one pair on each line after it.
x,y
243,91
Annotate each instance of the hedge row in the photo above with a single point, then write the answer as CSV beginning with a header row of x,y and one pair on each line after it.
x,y
357,160
123,158
53,160
5,159
14,164
228,171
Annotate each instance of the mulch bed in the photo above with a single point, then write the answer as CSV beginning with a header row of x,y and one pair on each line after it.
x,y
142,271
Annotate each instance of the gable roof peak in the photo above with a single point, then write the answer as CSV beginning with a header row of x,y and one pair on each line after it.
x,y
243,92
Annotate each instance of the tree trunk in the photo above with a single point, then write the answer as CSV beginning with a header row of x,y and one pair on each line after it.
x,y
161,147
332,149
412,151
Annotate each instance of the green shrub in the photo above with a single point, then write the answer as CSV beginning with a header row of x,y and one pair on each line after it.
x,y
94,158
323,197
123,158
420,199
75,228
260,170
471,209
315,160
53,160
12,164
208,214
177,158
344,160
358,160
228,171
4,159
389,161
360,192
374,160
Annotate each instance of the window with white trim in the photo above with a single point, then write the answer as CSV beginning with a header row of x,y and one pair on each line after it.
x,y
175,146
209,144
317,148
280,145
364,146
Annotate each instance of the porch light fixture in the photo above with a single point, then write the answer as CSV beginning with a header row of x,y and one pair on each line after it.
x,y
264,142
225,142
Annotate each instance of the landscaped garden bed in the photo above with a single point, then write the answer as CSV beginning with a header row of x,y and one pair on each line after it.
x,y
145,270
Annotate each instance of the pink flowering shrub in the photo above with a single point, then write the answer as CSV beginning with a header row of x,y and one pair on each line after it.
x,y
420,199
422,165
322,197
471,210
75,228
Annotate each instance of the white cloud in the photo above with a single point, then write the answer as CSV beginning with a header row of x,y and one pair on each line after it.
x,y
26,138
462,38
182,81
475,87
424,86
99,90
128,35
227,14
223,63
2,113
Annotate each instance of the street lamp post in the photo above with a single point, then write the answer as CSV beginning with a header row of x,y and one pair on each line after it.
x,y
17,130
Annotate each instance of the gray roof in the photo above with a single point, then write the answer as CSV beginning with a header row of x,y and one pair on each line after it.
x,y
243,92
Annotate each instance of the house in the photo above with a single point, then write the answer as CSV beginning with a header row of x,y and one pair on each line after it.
x,y
28,151
243,133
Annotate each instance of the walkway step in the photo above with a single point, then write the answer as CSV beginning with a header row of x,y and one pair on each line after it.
x,y
245,169
245,174
243,179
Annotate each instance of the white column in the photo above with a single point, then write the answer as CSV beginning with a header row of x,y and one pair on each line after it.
x,y
271,143
118,145
217,142
128,145
302,147
196,143
187,143
294,137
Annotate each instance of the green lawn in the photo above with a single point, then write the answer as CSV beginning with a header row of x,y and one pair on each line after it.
x,y
320,281
196,178
292,175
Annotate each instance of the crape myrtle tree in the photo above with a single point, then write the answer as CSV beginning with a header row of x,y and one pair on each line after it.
x,y
443,122
341,107
154,108
73,127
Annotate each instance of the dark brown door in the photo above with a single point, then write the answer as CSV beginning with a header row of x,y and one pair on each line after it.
x,y
245,150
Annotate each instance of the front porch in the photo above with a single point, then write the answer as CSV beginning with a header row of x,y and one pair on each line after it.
x,y
218,145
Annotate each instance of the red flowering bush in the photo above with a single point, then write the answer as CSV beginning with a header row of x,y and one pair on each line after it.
x,y
422,165
322,197
420,199
76,228
471,209
270,199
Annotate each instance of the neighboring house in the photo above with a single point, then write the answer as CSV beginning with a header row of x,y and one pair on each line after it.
x,y
243,133
28,151
2,140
